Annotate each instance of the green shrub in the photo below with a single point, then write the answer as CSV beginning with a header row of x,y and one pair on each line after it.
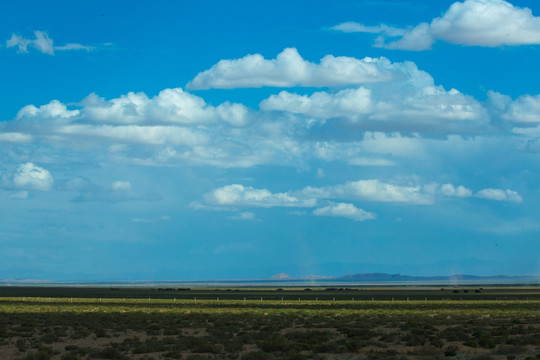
x,y
470,343
355,344
110,352
49,338
484,357
312,337
44,353
451,350
510,349
21,345
257,355
327,347
201,345
174,354
69,356
438,343
386,355
425,352
486,342
233,345
414,339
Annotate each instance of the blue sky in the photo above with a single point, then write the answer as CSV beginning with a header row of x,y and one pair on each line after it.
x,y
206,139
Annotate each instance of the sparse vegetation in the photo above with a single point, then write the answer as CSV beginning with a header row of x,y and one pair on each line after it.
x,y
66,328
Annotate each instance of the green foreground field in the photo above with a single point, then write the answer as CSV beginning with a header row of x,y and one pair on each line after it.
x,y
104,323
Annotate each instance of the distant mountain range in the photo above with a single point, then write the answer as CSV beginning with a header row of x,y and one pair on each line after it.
x,y
384,277
399,277
285,279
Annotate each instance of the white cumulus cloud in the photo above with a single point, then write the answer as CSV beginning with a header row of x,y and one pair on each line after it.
x,y
525,110
344,210
323,105
290,69
376,190
121,186
371,190
459,191
393,106
499,195
169,106
231,197
239,195
53,110
32,177
471,22
172,118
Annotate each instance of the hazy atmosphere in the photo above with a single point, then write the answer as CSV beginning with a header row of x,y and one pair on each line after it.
x,y
235,140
